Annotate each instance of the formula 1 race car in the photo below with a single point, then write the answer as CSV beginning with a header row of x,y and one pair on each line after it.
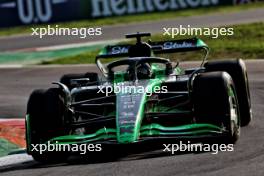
x,y
139,97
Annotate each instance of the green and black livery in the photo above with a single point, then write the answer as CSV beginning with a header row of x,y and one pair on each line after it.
x,y
208,102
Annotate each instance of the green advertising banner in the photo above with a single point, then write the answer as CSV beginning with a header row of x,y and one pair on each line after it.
x,y
24,12
102,8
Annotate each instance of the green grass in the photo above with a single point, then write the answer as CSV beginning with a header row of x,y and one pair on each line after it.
x,y
86,57
246,43
135,18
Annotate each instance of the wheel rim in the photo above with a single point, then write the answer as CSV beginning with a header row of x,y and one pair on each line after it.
x,y
234,115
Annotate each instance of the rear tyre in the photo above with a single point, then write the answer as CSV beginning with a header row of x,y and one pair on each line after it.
x,y
215,102
68,79
238,72
45,117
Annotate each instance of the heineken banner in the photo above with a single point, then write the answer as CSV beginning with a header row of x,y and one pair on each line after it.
x,y
24,12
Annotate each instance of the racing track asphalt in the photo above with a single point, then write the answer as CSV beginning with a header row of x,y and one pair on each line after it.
x,y
25,42
247,159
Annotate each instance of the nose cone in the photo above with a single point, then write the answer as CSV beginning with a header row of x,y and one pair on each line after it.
x,y
130,108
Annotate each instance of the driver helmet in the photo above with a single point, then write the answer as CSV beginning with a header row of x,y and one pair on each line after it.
x,y
144,71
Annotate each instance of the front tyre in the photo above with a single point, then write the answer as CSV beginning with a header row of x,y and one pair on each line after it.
x,y
237,70
44,121
215,102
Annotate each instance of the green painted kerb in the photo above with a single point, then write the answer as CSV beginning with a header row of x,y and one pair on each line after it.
x,y
7,147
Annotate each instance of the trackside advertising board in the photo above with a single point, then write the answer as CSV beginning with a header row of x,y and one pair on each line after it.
x,y
24,12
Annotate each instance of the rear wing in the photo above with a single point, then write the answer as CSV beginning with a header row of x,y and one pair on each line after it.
x,y
173,46
113,51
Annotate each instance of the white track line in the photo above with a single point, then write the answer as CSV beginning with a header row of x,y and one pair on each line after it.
x,y
14,159
10,66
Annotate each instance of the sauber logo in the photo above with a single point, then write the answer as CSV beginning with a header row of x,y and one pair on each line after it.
x,y
32,11
175,45
119,50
